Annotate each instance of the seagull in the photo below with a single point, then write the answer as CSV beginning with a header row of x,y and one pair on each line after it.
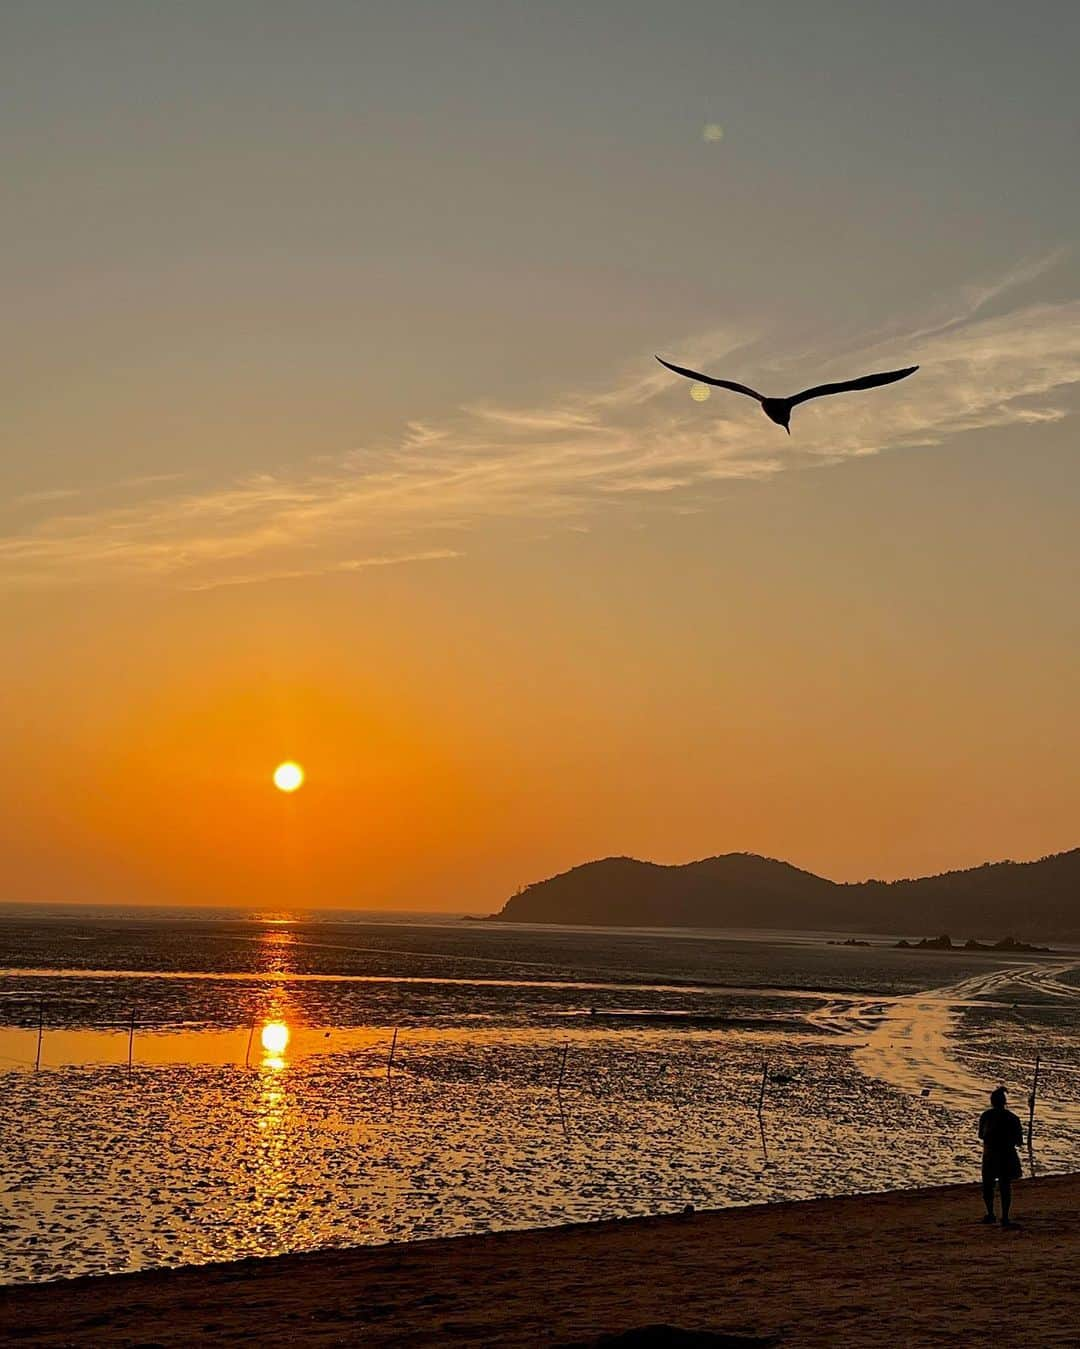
x,y
778,410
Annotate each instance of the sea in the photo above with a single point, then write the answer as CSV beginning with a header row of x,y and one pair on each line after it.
x,y
179,1086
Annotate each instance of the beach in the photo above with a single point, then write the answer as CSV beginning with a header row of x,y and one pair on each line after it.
x,y
908,1267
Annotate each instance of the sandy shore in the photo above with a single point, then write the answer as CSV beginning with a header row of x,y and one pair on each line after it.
x,y
906,1268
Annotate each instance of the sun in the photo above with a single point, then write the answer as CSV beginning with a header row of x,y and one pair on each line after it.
x,y
275,1037
288,776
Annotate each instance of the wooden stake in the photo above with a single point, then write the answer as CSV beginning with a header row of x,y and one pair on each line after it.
x,y
40,1034
1031,1100
390,1056
562,1066
761,1092
131,1042
558,1090
251,1036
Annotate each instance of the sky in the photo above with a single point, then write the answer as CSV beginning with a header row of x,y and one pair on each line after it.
x,y
332,432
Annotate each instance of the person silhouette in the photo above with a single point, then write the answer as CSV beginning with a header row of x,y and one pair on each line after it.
x,y
1001,1133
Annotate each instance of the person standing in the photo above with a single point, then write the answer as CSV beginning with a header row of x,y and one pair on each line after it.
x,y
1001,1133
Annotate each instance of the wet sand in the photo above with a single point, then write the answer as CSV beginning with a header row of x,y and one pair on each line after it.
x,y
906,1268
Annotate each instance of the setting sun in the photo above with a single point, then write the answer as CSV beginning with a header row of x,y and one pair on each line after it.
x,y
275,1037
288,776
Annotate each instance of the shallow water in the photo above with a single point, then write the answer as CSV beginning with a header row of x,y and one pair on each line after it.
x,y
538,1076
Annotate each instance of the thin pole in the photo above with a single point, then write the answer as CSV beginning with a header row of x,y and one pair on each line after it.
x,y
1031,1100
558,1090
131,1042
251,1036
761,1108
40,1033
389,1067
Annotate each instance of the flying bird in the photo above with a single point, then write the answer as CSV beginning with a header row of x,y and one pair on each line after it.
x,y
778,410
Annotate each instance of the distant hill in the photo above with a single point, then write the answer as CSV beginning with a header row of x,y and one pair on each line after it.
x,y
1025,899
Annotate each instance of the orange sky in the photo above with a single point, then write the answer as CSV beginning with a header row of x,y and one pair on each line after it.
x,y
332,431
801,672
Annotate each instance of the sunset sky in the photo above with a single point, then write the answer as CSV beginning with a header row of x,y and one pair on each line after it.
x,y
332,433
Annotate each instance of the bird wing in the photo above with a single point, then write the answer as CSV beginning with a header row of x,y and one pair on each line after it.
x,y
708,379
848,385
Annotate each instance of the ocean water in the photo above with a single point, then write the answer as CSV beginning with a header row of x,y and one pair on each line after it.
x,y
447,1076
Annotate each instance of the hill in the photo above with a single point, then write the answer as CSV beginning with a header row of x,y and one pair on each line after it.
x,y
1029,899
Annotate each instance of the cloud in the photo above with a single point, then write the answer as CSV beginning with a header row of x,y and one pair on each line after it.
x,y
46,494
348,564
51,494
969,301
639,441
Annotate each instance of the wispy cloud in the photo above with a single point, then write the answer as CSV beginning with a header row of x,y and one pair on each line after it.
x,y
349,564
50,494
637,438
967,302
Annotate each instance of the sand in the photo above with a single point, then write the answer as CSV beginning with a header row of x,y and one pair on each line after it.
x,y
906,1268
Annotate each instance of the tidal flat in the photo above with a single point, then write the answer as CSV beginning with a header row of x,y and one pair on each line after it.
x,y
305,1081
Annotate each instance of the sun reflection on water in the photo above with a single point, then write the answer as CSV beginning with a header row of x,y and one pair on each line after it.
x,y
274,1040
271,1169
275,945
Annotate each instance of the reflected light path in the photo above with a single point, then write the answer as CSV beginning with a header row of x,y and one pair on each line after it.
x,y
276,957
275,1038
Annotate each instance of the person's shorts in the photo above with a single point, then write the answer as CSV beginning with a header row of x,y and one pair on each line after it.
x,y
1002,1166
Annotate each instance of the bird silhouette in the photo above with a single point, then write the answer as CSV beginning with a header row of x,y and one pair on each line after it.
x,y
778,410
